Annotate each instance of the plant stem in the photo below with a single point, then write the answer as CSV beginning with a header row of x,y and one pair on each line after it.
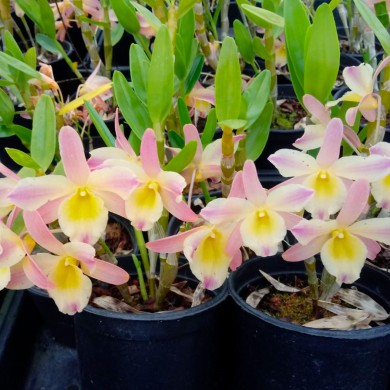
x,y
224,19
141,279
329,286
168,273
206,193
227,161
107,39
310,265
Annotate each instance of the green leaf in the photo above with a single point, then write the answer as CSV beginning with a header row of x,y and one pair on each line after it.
x,y
101,127
183,158
244,41
7,109
262,17
184,116
18,65
131,107
12,47
256,96
23,133
184,7
126,15
117,34
233,123
43,137
175,140
139,69
59,169
382,13
209,129
228,82
374,23
47,43
260,49
47,23
160,78
149,16
257,134
30,58
296,25
135,142
194,73
23,159
322,55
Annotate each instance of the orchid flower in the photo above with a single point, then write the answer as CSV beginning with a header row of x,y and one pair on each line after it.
x,y
155,189
361,80
200,100
343,243
280,52
328,175
66,8
208,250
314,133
69,267
380,189
81,200
7,184
146,29
262,219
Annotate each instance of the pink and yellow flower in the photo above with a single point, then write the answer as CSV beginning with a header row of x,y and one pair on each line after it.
x,y
345,242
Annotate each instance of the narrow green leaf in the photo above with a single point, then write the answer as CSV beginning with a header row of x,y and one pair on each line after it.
x,y
47,23
117,34
7,109
184,116
184,7
262,17
175,140
23,159
180,59
194,73
139,69
47,43
43,137
244,41
183,158
149,16
18,65
30,58
101,127
12,47
382,13
93,22
126,15
260,49
322,55
228,82
131,107
256,96
209,129
160,78
296,25
23,133
257,134
135,142
374,23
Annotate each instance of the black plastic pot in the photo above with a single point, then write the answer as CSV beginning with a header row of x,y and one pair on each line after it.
x,y
272,354
168,350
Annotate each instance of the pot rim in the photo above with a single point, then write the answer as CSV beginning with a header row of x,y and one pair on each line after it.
x,y
220,295
380,331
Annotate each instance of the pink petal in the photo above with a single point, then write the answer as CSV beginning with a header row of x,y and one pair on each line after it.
x,y
40,233
35,274
358,78
191,133
351,137
308,230
237,188
149,156
377,229
33,192
291,197
330,149
179,209
316,109
121,142
72,154
80,251
372,246
311,139
108,273
350,115
385,62
381,148
172,244
254,191
233,246
7,172
299,252
355,203
226,210
293,162
290,219
19,279
371,168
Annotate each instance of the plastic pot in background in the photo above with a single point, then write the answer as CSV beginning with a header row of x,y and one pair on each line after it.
x,y
169,350
272,354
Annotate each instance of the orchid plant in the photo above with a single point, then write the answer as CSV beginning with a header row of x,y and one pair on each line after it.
x,y
55,209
